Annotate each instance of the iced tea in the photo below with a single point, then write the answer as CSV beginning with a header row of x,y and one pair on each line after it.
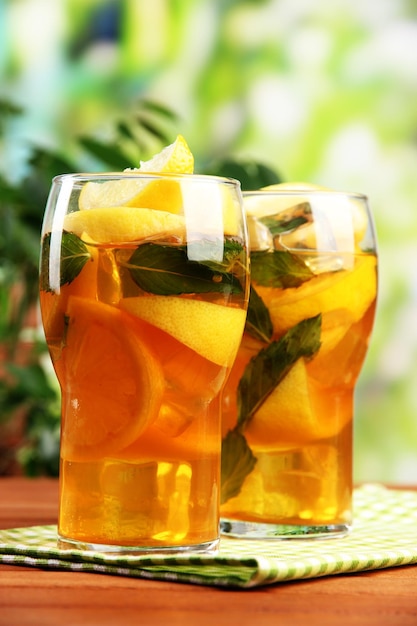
x,y
143,310
288,404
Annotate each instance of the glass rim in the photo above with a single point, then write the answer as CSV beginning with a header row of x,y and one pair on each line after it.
x,y
132,174
306,192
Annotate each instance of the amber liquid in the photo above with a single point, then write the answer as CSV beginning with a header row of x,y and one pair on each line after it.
x,y
160,489
303,471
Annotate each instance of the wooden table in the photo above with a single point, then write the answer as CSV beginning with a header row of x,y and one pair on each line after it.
x,y
33,597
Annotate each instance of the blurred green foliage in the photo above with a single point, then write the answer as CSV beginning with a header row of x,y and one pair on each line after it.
x,y
321,91
29,388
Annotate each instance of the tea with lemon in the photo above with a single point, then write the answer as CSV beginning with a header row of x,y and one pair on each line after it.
x,y
288,404
143,299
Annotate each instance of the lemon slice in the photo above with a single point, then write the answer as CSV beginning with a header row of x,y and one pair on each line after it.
x,y
211,208
112,384
123,224
212,330
231,212
351,290
175,159
292,414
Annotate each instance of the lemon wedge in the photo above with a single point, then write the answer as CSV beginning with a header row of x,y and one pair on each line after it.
x,y
295,413
286,417
212,330
176,158
130,191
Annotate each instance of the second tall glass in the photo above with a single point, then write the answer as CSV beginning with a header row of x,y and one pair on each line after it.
x,y
288,404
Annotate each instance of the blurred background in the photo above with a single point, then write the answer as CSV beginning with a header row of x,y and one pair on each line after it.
x,y
321,91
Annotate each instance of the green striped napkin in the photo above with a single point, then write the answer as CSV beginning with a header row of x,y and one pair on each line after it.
x,y
384,535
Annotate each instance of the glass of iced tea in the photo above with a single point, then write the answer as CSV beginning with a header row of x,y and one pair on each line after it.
x,y
288,404
143,293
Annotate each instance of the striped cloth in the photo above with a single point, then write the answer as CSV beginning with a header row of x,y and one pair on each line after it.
x,y
384,535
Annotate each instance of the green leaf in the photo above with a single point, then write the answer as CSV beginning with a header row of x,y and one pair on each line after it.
x,y
109,153
74,255
278,268
125,131
237,462
251,175
258,320
7,107
265,370
234,254
153,129
166,270
277,226
159,109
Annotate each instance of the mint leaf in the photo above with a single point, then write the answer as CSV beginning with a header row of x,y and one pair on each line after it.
x,y
278,268
237,462
74,255
166,270
265,370
288,220
233,255
258,320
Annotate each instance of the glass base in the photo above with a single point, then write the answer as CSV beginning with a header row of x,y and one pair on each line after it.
x,y
254,530
208,547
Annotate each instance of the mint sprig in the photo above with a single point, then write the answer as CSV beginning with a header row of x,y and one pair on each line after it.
x,y
258,320
262,374
237,462
166,270
266,370
74,255
278,268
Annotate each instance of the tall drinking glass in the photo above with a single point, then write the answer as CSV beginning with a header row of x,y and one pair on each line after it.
x,y
288,404
143,308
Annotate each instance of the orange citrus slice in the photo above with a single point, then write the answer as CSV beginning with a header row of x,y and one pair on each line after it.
x,y
111,383
130,191
212,330
123,224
